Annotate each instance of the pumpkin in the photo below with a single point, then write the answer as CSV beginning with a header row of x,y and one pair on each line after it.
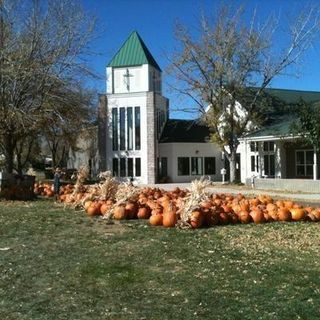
x,y
244,216
284,214
143,213
196,219
156,219
119,212
93,210
257,216
298,214
169,216
104,208
131,210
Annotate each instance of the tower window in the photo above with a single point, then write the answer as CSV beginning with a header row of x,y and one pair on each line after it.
x,y
115,129
137,128
122,129
129,128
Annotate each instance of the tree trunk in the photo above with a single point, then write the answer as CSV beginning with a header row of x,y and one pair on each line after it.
x,y
9,146
232,157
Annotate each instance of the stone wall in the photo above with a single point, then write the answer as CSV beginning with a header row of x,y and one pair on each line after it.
x,y
151,138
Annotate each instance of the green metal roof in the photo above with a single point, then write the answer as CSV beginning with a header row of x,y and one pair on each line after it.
x,y
277,129
133,52
180,130
293,96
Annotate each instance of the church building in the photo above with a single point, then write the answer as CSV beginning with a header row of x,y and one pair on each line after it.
x,y
137,139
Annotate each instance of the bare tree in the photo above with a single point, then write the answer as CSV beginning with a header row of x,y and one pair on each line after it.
x,y
225,65
42,49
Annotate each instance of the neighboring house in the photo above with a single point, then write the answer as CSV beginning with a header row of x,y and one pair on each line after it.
x,y
273,152
85,153
136,138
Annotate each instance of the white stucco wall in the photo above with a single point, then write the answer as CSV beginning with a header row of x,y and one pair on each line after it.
x,y
174,150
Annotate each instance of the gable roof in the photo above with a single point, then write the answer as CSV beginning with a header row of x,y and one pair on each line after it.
x,y
133,52
177,130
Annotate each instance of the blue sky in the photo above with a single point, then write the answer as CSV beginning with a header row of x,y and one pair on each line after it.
x,y
155,20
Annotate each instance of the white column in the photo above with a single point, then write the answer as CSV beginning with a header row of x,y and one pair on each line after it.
x,y
315,166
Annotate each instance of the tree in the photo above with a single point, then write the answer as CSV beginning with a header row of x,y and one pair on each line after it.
x,y
68,117
306,127
42,48
226,64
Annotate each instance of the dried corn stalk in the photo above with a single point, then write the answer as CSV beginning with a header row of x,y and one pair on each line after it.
x,y
125,192
82,175
193,200
108,186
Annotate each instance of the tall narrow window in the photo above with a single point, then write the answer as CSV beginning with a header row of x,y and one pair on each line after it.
x,y
114,129
138,167
137,128
129,128
123,167
183,166
122,129
115,167
196,166
130,167
253,163
209,165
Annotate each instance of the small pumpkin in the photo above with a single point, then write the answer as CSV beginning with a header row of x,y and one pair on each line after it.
x,y
119,212
156,219
169,216
143,213
298,214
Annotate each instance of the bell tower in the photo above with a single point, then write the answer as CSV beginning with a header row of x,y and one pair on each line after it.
x,y
136,113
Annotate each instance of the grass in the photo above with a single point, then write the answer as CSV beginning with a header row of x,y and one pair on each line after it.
x,y
59,264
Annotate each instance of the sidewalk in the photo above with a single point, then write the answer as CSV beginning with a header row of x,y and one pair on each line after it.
x,y
312,198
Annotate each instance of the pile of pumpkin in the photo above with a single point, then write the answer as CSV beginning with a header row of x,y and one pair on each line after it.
x,y
163,208
192,208
44,189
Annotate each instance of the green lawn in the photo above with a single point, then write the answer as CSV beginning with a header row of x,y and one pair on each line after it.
x,y
59,264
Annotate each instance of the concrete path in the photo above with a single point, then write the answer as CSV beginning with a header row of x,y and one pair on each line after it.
x,y
312,198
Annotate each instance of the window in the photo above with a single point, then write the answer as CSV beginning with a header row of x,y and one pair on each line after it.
x,y
122,129
130,167
210,165
253,163
269,167
138,167
183,166
268,146
162,167
253,146
304,163
115,167
196,166
114,129
123,167
137,128
129,128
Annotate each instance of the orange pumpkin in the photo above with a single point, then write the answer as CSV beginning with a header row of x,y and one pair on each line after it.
x,y
119,212
156,219
143,213
284,214
257,216
196,219
298,214
169,216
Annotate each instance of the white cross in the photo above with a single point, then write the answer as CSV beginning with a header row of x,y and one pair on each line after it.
x,y
127,76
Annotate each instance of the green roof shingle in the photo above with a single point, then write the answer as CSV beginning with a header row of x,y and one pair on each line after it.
x,y
178,130
133,52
